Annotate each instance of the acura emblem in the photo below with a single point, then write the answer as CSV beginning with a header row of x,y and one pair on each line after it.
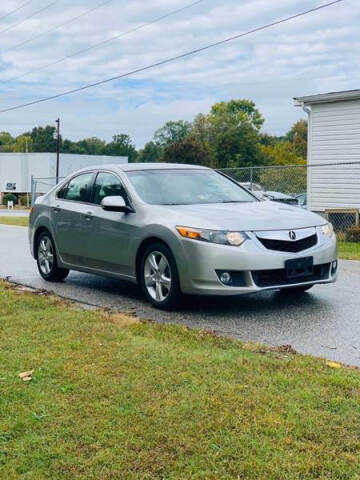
x,y
292,235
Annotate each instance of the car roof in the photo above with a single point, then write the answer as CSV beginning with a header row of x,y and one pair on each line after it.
x,y
131,167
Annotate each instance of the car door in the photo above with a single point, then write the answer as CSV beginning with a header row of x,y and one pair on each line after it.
x,y
70,219
112,232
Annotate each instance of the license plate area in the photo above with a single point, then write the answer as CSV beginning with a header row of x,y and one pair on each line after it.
x,y
299,267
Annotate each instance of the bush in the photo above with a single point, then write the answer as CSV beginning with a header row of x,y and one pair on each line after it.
x,y
23,200
352,234
9,197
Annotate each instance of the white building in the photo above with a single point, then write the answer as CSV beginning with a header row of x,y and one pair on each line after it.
x,y
333,138
16,169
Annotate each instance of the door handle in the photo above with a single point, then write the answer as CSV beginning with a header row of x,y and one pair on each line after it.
x,y
89,215
57,209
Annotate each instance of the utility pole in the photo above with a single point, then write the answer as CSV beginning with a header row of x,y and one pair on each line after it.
x,y
57,149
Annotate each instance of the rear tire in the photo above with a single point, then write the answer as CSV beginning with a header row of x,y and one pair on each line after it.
x,y
159,278
47,259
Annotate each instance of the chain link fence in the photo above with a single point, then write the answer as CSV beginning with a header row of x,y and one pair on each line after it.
x,y
41,185
332,190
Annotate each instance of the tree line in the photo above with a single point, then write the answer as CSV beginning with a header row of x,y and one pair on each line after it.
x,y
228,136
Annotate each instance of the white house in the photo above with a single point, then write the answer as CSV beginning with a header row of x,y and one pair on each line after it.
x,y
333,138
16,169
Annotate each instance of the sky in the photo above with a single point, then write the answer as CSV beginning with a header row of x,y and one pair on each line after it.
x,y
317,53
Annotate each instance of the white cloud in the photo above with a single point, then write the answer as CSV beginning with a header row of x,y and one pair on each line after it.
x,y
316,53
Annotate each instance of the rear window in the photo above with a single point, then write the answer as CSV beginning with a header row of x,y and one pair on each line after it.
x,y
78,189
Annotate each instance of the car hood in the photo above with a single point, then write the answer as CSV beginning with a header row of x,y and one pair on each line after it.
x,y
252,216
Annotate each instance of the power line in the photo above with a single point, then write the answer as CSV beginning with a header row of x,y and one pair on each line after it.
x,y
172,59
103,42
28,18
58,26
16,9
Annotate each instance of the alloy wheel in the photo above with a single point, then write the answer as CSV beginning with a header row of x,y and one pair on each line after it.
x,y
46,255
157,276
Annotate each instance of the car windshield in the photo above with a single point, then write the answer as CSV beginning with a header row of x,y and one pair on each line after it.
x,y
186,187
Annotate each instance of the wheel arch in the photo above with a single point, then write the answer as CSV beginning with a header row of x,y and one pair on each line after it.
x,y
141,249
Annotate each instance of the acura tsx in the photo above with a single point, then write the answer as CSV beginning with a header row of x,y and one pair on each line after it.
x,y
178,229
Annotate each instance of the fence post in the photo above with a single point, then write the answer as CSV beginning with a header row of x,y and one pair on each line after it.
x,y
33,191
251,177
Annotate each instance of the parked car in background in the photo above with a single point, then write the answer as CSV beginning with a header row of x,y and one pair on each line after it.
x,y
177,229
256,190
302,200
281,197
262,194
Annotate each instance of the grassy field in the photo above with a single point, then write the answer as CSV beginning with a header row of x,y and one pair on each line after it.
x,y
18,221
114,398
349,250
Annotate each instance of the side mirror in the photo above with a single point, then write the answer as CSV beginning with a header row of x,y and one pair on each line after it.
x,y
115,204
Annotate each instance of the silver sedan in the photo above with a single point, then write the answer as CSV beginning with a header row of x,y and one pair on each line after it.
x,y
178,229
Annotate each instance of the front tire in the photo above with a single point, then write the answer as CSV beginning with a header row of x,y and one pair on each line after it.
x,y
47,260
159,277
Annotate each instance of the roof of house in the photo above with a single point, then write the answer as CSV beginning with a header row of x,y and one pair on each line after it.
x,y
328,97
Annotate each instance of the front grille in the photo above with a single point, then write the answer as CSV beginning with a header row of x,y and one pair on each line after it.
x,y
289,246
274,278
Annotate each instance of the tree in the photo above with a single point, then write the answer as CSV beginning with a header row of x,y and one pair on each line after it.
x,y
72,147
203,132
172,132
23,143
298,135
283,153
269,140
6,141
286,180
188,150
240,110
151,152
237,146
230,132
122,145
92,146
43,139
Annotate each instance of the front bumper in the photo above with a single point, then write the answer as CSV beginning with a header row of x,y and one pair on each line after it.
x,y
199,264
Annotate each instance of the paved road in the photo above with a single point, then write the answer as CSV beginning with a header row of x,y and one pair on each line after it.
x,y
324,322
14,213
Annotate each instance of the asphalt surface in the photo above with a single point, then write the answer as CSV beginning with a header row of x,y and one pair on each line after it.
x,y
324,322
13,213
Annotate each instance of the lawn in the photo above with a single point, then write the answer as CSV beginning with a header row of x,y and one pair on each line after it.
x,y
115,398
349,250
18,221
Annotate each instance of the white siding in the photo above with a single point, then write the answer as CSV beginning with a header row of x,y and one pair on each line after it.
x,y
334,137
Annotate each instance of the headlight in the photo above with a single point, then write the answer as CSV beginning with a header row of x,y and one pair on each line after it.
x,y
327,230
214,236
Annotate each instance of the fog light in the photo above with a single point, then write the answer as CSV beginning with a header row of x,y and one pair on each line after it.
x,y
334,267
225,278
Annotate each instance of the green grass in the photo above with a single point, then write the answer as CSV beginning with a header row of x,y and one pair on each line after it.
x,y
349,250
18,221
113,398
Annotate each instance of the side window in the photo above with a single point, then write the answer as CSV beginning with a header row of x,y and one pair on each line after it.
x,y
78,189
107,185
